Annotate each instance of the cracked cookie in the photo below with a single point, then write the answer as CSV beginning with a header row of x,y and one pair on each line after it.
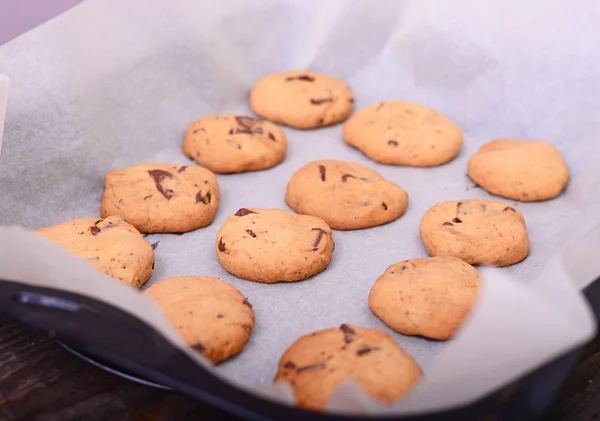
x,y
478,231
111,245
158,198
210,315
525,170
403,133
302,99
428,297
316,364
232,144
345,195
273,245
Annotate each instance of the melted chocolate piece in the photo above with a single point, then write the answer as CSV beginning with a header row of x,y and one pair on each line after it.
x,y
272,137
312,367
251,233
351,100
248,125
198,130
450,224
322,171
320,234
221,244
456,220
349,333
147,197
199,347
205,199
158,176
385,207
246,302
289,365
220,316
319,101
345,177
392,143
244,212
365,349
94,230
304,78
508,208
182,169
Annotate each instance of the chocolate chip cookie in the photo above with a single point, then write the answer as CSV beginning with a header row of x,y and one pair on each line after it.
x,y
478,231
111,245
316,364
302,99
232,144
403,133
345,195
430,297
525,170
272,245
161,197
209,314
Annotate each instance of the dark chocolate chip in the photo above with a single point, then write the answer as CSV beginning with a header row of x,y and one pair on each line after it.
x,y
220,316
320,234
147,197
456,220
322,171
304,78
392,143
94,230
204,198
251,233
154,245
312,367
246,302
221,244
158,176
152,265
508,208
198,130
319,101
199,347
365,349
450,224
230,131
244,212
248,125
384,206
349,333
272,137
345,177
182,169
289,365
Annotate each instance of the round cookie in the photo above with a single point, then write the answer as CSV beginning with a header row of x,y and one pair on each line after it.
x,y
111,245
301,99
161,197
525,170
232,144
478,231
209,314
272,245
429,297
345,195
403,133
316,364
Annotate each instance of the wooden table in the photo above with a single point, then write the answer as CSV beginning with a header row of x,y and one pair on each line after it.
x,y
40,380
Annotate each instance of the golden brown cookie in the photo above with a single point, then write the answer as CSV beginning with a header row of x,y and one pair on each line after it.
x,y
209,314
111,245
478,231
231,144
302,99
429,297
345,195
316,364
161,197
273,245
403,133
525,170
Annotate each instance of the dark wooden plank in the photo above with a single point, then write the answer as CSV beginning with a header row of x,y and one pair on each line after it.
x,y
41,381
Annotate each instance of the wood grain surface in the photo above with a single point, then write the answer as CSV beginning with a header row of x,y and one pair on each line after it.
x,y
41,381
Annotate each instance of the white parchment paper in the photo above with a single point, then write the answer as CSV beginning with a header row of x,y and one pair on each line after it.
x,y
116,83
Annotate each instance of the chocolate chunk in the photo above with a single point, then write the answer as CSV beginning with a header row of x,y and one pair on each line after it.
x,y
345,177
154,245
365,349
349,333
319,101
312,367
199,347
319,237
289,365
221,244
246,302
508,208
322,171
244,212
384,206
152,265
404,268
456,220
204,198
272,137
251,233
198,130
248,125
158,176
233,144
147,197
304,78
182,169
94,230
220,316
450,224
392,143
